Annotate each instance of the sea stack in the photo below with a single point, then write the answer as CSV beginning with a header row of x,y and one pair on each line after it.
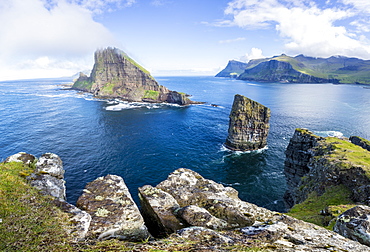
x,y
116,75
248,125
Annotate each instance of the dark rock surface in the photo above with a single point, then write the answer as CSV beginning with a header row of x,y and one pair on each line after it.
x,y
363,143
116,75
23,157
248,125
355,224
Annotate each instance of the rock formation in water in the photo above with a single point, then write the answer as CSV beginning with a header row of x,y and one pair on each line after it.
x,y
248,125
116,75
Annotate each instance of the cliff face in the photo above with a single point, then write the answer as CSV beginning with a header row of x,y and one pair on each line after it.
x,y
278,71
115,75
315,164
233,69
248,125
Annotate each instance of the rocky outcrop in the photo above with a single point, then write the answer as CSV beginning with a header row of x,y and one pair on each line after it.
x,y
116,75
355,224
233,69
22,157
48,176
297,157
365,144
248,125
113,211
185,198
314,164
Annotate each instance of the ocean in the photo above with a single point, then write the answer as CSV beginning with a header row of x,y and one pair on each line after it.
x,y
144,142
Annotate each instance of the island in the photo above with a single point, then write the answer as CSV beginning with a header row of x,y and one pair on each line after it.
x,y
300,69
116,75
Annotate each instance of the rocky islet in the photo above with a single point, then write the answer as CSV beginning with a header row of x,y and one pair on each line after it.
x,y
248,125
116,75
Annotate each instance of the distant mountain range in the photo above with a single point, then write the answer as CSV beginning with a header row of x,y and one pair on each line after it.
x,y
300,69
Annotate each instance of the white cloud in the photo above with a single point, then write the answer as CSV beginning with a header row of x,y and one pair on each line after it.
x,y
304,27
255,53
228,41
42,38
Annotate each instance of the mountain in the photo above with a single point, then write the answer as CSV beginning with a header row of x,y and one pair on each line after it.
x,y
233,69
303,69
116,75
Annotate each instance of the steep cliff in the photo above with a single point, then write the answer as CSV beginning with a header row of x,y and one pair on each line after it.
x,y
279,71
233,69
116,75
316,165
248,125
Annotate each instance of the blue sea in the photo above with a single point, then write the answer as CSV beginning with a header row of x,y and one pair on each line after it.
x,y
143,143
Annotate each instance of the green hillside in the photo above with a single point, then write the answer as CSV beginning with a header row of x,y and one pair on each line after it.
x,y
336,69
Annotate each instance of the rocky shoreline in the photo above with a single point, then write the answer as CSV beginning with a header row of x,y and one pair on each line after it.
x,y
188,207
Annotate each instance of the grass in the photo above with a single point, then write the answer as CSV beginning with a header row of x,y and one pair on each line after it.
x,y
336,199
83,85
151,94
24,225
349,154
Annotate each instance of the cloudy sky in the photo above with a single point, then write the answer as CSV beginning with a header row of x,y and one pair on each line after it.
x,y
54,38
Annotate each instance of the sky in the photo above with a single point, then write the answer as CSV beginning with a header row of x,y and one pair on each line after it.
x,y
58,38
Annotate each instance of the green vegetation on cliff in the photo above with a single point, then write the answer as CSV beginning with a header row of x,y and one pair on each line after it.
x,y
322,210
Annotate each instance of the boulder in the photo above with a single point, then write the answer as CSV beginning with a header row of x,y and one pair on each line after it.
x,y
113,211
158,208
202,202
355,224
48,176
248,125
362,142
51,164
23,157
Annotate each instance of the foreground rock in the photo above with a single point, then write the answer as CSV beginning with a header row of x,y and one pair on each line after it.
x,y
49,176
185,199
355,224
248,125
218,220
113,211
116,75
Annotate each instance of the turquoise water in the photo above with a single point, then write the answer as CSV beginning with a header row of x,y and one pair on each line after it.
x,y
143,143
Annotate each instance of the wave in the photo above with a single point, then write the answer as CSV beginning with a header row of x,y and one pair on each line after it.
x,y
238,153
118,105
329,133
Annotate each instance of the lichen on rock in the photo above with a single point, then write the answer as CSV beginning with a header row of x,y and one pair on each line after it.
x,y
113,211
